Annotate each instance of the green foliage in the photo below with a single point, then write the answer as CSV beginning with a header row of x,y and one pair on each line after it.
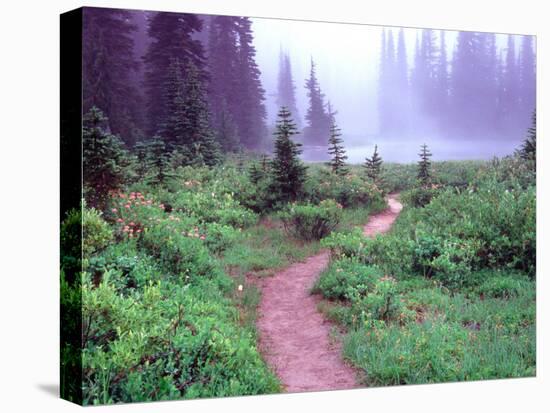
x,y
104,159
503,287
528,151
350,190
166,342
437,351
289,173
346,277
311,222
96,233
457,300
424,174
419,197
337,151
373,166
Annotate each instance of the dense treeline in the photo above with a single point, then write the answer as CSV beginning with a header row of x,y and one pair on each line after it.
x,y
480,90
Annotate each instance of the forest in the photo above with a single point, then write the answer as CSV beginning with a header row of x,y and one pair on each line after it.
x,y
200,206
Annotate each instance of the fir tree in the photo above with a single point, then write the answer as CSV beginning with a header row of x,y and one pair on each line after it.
x,y
264,163
160,160
172,128
255,173
424,166
286,90
196,121
104,159
172,37
528,150
337,150
109,67
373,165
250,112
141,150
289,173
318,123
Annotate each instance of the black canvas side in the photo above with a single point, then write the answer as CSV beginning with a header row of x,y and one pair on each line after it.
x,y
70,211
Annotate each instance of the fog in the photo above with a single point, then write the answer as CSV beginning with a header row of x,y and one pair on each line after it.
x,y
347,58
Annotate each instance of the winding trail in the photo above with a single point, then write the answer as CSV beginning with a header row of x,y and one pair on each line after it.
x,y
294,336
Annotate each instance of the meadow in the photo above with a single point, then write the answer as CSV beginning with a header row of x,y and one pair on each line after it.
x,y
165,281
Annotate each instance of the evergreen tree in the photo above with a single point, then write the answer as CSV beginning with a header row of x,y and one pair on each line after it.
x,y
424,166
528,150
104,159
337,151
172,38
373,166
255,173
264,163
286,90
251,112
186,127
527,77
226,133
442,79
196,122
141,150
318,122
222,88
401,97
109,67
235,84
383,105
288,171
160,160
510,97
172,128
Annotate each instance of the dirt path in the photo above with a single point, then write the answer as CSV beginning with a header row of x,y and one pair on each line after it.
x,y
294,336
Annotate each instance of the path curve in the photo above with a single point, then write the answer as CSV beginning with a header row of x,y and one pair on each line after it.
x,y
294,336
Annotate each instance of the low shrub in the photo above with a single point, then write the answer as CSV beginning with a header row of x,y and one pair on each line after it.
x,y
344,277
311,222
350,191
183,255
504,286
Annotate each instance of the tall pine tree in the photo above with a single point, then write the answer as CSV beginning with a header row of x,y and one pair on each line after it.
x,y
286,89
172,37
109,67
317,119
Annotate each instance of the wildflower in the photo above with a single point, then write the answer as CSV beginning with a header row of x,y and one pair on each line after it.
x,y
161,206
240,287
114,210
127,206
202,237
138,231
131,224
120,220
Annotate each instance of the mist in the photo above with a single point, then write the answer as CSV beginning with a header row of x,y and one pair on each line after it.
x,y
348,63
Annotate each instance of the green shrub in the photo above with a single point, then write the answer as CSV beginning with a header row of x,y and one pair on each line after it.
x,y
311,222
83,233
345,244
349,190
166,342
182,255
504,286
418,197
345,276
